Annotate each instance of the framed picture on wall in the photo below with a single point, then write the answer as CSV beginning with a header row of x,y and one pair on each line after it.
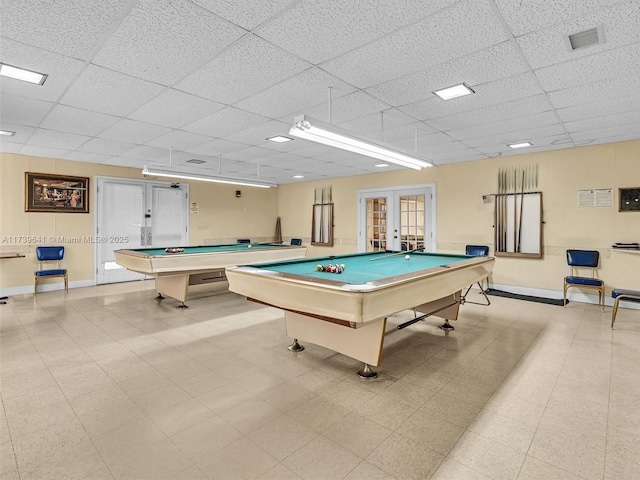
x,y
56,193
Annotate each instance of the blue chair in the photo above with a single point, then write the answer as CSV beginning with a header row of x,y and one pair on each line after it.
x,y
50,254
476,251
244,240
622,295
296,241
580,260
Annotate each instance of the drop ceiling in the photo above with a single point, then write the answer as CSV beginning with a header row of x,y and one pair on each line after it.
x,y
159,82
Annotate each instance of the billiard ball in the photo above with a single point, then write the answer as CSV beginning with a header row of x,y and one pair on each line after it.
x,y
407,257
319,267
248,246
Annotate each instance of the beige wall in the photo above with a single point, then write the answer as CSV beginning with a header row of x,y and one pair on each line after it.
x,y
462,217
220,216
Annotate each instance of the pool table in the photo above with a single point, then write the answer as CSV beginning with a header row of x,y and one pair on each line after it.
x,y
347,311
174,272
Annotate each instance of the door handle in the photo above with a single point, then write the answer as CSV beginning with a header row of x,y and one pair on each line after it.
x,y
142,235
148,236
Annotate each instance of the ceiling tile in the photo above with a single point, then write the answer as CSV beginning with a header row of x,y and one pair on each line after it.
x,y
22,110
295,95
232,75
48,152
143,152
88,157
72,27
622,62
601,108
245,14
216,147
43,137
493,63
106,147
549,47
74,120
179,140
593,124
504,126
597,91
524,16
174,109
348,107
225,122
133,132
10,147
163,40
61,70
512,109
455,32
491,93
334,28
106,91
22,133
258,135
516,135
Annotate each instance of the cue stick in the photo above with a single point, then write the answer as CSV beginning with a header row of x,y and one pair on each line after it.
x,y
320,234
504,211
499,213
521,209
404,252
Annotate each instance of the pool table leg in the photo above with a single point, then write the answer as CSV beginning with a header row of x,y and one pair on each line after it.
x,y
295,346
367,373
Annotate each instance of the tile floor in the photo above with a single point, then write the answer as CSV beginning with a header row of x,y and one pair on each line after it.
x,y
106,383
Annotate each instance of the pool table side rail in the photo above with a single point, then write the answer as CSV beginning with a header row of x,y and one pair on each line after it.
x,y
359,304
203,261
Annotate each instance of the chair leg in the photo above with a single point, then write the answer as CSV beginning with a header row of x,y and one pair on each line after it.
x,y
564,297
615,311
35,285
66,284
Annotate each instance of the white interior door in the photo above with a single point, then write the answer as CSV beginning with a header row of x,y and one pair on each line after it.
x,y
136,214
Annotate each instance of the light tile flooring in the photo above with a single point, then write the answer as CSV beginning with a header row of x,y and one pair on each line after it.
x,y
106,383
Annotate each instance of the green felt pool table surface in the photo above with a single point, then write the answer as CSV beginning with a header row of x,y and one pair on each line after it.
x,y
365,267
210,248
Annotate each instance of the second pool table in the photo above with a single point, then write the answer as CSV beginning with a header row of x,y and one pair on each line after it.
x,y
195,265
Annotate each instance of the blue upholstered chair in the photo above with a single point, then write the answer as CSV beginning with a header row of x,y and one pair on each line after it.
x,y
476,251
581,261
296,241
46,255
244,240
625,296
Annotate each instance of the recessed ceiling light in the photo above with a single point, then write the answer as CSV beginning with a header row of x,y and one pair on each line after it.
x,y
7,133
297,176
279,139
454,92
520,145
22,74
381,165
196,161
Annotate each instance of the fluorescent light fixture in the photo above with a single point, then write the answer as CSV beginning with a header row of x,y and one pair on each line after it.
x,y
297,176
454,92
22,74
316,131
279,139
520,145
7,133
381,165
156,172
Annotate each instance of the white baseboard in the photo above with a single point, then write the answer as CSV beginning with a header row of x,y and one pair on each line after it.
x,y
45,287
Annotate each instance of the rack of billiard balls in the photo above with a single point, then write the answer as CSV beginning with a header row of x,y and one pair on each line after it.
x,y
331,268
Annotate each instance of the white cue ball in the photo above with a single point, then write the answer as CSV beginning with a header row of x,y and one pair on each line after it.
x,y
407,257
248,246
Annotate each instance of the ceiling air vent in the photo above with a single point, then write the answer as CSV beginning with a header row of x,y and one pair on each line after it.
x,y
196,161
585,39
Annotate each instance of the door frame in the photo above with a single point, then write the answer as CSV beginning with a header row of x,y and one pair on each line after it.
x,y
430,204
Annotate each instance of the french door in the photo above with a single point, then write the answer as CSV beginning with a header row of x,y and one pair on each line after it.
x,y
137,214
400,218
